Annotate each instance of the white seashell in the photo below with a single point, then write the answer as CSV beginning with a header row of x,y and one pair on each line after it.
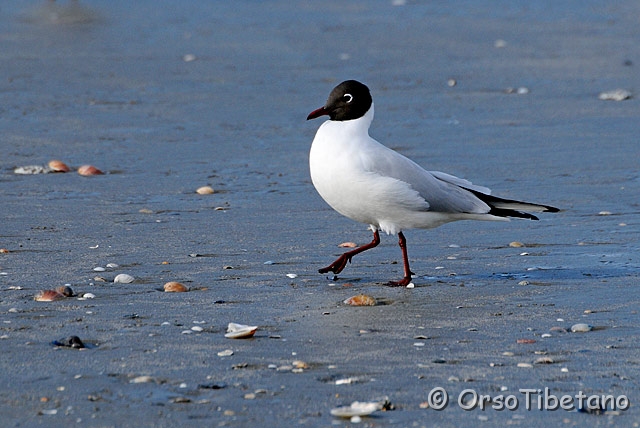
x,y
225,353
124,278
581,328
240,331
205,190
197,328
112,265
292,275
357,408
32,169
615,95
99,269
88,296
142,379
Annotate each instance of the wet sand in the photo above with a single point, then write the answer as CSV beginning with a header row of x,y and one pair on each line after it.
x,y
114,86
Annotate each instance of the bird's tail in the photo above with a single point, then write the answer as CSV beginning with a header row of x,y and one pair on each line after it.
x,y
501,207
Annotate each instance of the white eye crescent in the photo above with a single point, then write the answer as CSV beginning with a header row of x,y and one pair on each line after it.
x,y
348,98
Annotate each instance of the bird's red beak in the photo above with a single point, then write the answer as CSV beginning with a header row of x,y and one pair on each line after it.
x,y
317,113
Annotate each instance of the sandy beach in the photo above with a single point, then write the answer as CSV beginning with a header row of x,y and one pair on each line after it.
x,y
165,97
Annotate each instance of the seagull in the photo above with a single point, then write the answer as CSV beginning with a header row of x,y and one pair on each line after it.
x,y
372,184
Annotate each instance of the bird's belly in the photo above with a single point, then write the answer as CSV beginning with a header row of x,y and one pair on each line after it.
x,y
383,202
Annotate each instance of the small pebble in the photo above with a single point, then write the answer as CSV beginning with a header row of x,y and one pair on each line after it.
x,y
197,328
544,360
581,328
189,58
411,285
292,275
525,365
112,265
88,296
225,353
523,283
525,341
99,269
70,342
124,278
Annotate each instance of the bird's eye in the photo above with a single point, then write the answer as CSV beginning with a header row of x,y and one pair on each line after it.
x,y
348,98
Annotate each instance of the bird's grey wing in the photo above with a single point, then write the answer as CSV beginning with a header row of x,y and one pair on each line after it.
x,y
461,182
442,192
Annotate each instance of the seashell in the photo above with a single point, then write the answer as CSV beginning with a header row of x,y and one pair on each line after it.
x,y
357,408
347,245
360,300
615,95
240,331
124,278
225,353
581,328
205,190
88,170
48,296
58,166
66,291
88,296
142,379
516,244
4,251
175,287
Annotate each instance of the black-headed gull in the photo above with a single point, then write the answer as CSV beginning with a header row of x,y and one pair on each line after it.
x,y
370,183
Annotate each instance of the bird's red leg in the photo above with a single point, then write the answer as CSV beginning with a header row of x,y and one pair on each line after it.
x,y
402,242
340,263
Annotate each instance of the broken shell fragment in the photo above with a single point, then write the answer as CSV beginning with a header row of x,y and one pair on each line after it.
x,y
240,331
175,287
48,296
124,278
31,169
615,95
357,408
58,166
360,300
347,245
205,190
88,170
